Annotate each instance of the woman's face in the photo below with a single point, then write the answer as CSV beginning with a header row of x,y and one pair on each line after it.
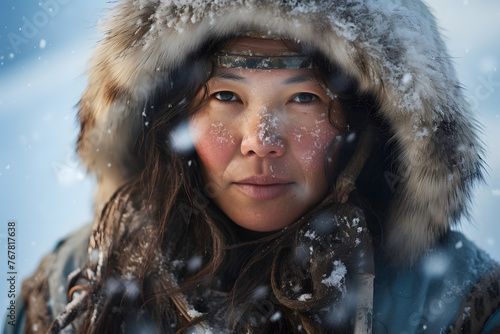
x,y
262,137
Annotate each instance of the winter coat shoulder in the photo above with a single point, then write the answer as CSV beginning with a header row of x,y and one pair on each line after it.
x,y
54,270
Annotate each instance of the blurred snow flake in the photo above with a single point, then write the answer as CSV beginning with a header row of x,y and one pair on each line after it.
x,y
67,174
407,78
496,192
180,139
350,138
488,64
194,263
436,264
126,287
260,292
132,288
112,287
324,223
276,316
43,43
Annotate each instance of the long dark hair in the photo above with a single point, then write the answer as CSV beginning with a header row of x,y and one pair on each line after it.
x,y
167,247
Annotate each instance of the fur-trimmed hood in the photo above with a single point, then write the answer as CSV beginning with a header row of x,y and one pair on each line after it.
x,y
393,49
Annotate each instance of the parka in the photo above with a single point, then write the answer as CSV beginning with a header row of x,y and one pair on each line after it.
x,y
425,159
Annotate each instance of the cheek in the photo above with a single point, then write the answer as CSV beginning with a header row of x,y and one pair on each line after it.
x,y
311,143
214,144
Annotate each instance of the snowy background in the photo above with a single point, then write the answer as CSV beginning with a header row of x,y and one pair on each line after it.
x,y
44,47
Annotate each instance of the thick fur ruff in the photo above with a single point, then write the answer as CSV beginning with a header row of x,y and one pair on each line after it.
x,y
393,49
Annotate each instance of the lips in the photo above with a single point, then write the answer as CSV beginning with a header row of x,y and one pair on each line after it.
x,y
263,188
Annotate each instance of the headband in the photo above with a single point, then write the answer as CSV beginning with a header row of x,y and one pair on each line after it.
x,y
245,61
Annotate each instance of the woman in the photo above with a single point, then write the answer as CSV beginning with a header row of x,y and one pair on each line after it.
x,y
259,164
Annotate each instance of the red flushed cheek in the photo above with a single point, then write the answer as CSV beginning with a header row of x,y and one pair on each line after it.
x,y
311,144
214,144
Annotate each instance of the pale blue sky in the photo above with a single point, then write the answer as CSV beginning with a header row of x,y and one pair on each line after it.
x,y
46,191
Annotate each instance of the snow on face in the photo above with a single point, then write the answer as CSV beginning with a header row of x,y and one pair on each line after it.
x,y
222,134
262,138
268,127
318,144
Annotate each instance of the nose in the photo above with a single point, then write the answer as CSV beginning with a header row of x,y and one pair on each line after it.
x,y
262,136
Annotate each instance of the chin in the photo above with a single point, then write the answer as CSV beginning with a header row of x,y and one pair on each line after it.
x,y
267,224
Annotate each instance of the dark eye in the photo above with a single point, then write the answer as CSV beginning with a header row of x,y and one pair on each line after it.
x,y
225,96
304,98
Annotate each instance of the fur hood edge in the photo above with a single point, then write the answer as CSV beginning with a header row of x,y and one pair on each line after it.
x,y
395,52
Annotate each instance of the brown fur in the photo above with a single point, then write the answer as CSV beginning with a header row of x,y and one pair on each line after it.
x,y
479,304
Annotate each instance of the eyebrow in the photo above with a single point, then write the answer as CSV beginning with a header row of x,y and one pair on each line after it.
x,y
230,76
300,78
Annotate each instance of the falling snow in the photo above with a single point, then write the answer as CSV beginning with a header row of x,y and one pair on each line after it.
x,y
195,263
276,316
406,80
180,139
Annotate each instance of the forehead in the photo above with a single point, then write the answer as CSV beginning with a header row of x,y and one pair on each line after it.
x,y
260,46
285,77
